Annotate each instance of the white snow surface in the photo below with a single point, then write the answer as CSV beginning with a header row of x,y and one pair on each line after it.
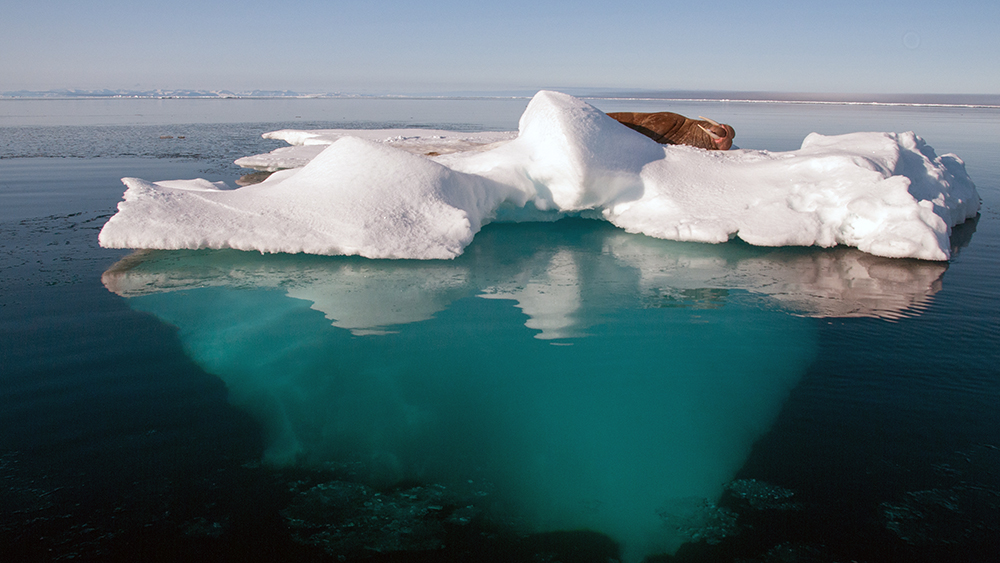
x,y
887,194
307,144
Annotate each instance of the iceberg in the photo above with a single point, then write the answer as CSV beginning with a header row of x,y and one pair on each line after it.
x,y
887,194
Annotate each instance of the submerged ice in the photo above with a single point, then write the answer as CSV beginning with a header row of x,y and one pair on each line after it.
x,y
608,432
672,359
426,195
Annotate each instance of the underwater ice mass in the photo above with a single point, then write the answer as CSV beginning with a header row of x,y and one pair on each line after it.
x,y
583,377
446,372
424,195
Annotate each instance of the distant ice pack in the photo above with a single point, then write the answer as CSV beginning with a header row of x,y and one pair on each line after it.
x,y
424,194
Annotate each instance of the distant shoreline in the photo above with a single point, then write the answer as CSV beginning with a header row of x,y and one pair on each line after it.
x,y
808,102
916,100
985,101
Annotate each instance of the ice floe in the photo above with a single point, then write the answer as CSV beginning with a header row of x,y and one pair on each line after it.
x,y
425,194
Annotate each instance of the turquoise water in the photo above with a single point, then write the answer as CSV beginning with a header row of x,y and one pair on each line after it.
x,y
561,391
584,390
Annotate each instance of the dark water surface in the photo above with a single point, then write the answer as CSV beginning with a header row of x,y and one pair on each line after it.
x,y
561,392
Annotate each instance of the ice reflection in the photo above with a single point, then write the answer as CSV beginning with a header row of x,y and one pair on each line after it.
x,y
679,358
840,282
546,280
547,290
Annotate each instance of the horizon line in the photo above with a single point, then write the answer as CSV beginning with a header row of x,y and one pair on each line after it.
x,y
986,101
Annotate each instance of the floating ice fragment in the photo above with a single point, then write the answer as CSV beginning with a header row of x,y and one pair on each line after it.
x,y
885,193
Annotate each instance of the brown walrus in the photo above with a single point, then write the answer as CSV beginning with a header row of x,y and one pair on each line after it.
x,y
669,128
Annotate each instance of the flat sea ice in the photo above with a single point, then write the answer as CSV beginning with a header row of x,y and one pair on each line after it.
x,y
887,194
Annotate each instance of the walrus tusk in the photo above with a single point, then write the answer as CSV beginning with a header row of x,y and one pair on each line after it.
x,y
710,134
712,121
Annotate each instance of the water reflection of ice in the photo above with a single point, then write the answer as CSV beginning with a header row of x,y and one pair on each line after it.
x,y
548,291
682,356
366,296
840,282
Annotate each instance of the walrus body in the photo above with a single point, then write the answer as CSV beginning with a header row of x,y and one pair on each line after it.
x,y
669,128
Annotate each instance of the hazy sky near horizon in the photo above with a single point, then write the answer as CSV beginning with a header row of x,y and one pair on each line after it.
x,y
393,46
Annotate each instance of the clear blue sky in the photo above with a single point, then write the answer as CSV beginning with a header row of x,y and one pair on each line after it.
x,y
391,46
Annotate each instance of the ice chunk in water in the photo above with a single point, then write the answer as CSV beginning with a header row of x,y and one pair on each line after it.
x,y
885,193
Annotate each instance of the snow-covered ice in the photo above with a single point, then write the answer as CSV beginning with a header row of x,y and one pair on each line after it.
x,y
428,142
384,196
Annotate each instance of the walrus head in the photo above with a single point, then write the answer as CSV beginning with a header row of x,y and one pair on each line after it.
x,y
721,134
669,128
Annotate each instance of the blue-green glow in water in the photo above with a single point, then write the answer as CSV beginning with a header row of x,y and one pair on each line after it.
x,y
592,379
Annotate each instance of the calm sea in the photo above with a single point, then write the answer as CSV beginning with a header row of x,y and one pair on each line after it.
x,y
561,392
